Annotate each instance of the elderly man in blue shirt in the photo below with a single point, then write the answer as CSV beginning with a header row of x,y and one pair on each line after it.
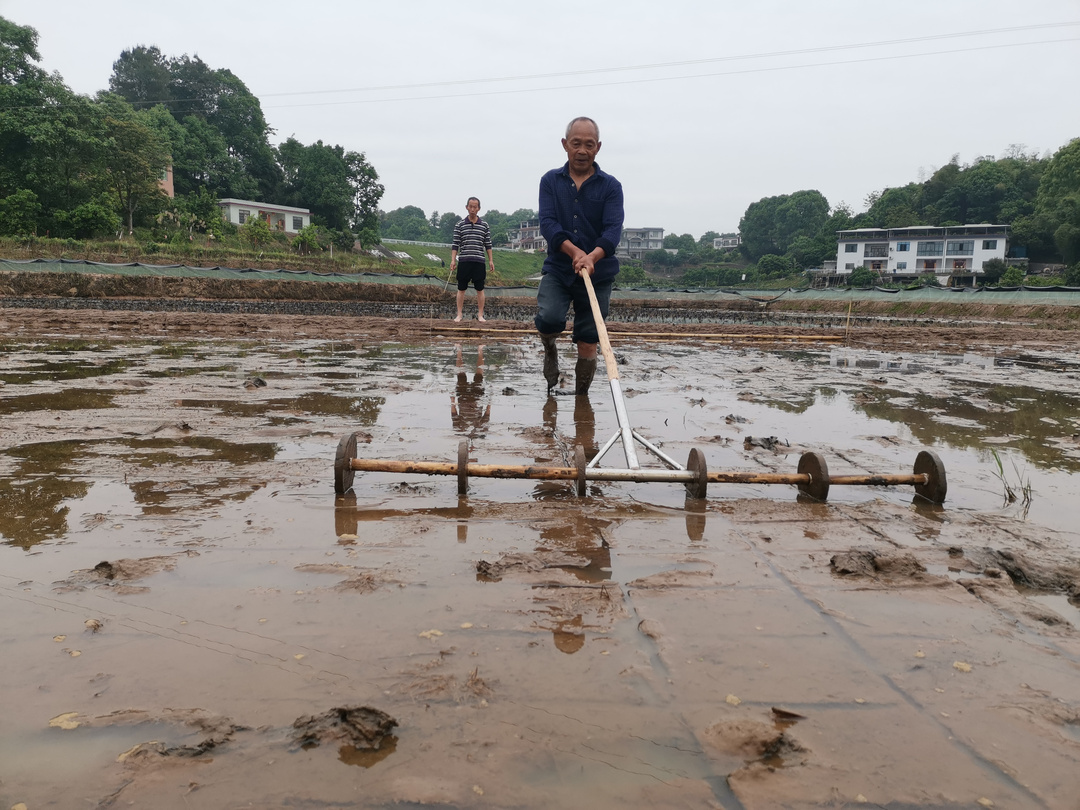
x,y
581,216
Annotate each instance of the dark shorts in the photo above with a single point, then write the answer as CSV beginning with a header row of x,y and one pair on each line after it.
x,y
467,271
553,302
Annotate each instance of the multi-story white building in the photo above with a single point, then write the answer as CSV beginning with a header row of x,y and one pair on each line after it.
x,y
637,241
727,241
955,254
526,236
278,217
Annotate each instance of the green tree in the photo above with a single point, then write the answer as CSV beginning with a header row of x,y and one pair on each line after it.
x,y
1058,201
306,240
1013,277
142,76
220,100
1072,276
993,270
445,227
50,138
339,187
194,213
895,207
631,274
684,243
256,232
659,258
773,266
18,53
392,223
771,224
19,213
862,277
134,160
95,218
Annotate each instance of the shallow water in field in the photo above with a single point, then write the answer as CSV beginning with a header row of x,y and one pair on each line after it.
x,y
535,649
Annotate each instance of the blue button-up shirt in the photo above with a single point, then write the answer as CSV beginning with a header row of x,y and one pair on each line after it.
x,y
589,217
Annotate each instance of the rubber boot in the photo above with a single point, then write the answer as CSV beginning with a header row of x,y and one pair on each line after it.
x,y
551,360
583,373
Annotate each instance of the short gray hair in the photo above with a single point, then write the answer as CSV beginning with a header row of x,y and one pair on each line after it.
x,y
578,120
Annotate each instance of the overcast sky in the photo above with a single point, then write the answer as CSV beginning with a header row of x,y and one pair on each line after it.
x,y
704,106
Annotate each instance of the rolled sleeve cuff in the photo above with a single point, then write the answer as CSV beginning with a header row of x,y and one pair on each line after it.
x,y
606,246
557,240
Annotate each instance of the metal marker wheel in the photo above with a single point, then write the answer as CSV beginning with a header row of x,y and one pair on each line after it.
x,y
463,468
580,463
695,463
928,463
343,472
813,464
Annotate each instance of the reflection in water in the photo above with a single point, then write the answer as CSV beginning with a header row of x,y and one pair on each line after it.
x,y
569,635
32,511
850,358
363,410
559,450
50,371
580,536
695,510
192,449
1031,420
157,498
577,536
347,517
1036,422
32,497
934,518
366,757
72,399
467,410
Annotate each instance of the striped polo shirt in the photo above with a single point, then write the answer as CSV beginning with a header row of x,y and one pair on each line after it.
x,y
472,240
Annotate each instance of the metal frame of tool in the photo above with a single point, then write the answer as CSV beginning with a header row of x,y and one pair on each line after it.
x,y
812,475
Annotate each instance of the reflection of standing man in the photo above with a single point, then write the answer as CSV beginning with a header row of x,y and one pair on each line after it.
x,y
581,216
472,238
467,411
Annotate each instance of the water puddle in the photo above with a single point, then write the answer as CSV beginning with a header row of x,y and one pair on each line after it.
x,y
72,399
632,647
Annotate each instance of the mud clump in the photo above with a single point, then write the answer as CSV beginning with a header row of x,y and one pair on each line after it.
x,y
752,740
1036,575
362,727
863,563
493,571
117,574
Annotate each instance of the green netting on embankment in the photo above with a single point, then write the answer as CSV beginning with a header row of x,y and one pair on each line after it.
x,y
185,271
1063,296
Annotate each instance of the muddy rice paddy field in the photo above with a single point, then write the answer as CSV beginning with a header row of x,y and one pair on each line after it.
x,y
193,618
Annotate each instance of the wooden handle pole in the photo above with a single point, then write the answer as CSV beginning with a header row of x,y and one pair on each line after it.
x,y
601,330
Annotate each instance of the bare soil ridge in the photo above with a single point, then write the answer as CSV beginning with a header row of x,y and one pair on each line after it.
x,y
41,303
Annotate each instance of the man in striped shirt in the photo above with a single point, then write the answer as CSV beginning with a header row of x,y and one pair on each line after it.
x,y
472,238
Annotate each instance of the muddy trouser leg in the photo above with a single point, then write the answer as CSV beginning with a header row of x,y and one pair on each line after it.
x,y
553,303
583,374
551,360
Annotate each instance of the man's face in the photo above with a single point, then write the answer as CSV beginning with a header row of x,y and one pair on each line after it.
x,y
473,207
581,146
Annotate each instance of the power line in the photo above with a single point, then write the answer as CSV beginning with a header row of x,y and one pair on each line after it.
x,y
652,66
675,78
683,63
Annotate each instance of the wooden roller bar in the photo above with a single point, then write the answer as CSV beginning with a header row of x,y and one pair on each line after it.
x,y
545,473
812,477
